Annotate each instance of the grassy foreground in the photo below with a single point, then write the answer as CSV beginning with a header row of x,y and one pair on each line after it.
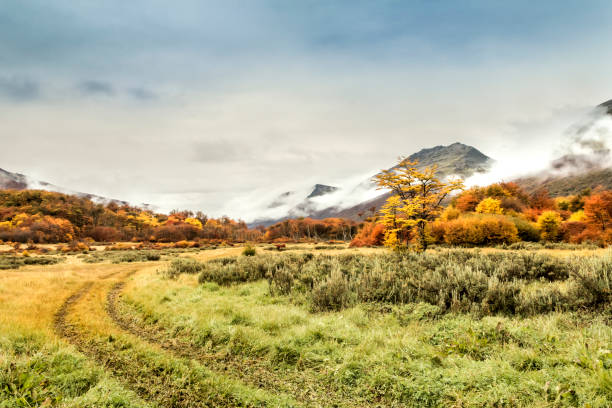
x,y
126,335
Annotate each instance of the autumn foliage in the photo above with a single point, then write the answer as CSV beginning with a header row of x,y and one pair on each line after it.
x,y
371,234
503,213
47,217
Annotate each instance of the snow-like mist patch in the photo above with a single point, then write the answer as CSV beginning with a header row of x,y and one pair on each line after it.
x,y
280,202
555,149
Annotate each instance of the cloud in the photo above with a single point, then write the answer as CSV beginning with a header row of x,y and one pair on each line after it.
x,y
207,104
142,94
19,89
218,151
95,87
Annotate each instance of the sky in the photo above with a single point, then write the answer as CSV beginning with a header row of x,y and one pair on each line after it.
x,y
213,105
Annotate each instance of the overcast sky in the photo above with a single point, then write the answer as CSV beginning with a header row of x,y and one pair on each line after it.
x,y
195,104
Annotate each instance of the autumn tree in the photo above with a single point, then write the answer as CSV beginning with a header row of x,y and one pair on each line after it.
x,y
598,210
549,223
416,200
489,206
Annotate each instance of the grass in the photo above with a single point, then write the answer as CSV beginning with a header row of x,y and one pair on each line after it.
x,y
178,342
35,368
15,262
389,355
121,256
36,373
455,280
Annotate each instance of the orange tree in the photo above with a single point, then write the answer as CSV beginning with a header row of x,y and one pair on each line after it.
x,y
416,200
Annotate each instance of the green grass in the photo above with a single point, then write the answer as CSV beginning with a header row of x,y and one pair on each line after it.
x,y
15,262
35,372
121,256
384,354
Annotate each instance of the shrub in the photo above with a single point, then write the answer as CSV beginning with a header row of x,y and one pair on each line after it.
x,y
527,231
331,294
489,206
15,262
183,265
476,231
371,234
104,234
455,280
249,251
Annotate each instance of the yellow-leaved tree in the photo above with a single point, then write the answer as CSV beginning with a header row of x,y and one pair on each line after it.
x,y
489,206
416,200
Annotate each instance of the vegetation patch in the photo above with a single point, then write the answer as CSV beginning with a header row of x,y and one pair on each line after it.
x,y
456,280
15,262
117,257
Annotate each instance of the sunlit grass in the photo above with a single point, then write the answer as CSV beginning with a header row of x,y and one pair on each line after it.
x,y
366,355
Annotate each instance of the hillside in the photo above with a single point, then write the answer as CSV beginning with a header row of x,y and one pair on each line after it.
x,y
586,165
454,159
16,181
558,186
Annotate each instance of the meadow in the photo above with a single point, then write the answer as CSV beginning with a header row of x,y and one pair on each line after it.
x,y
316,327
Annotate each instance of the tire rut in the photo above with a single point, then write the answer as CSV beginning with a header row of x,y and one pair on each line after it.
x,y
250,371
154,379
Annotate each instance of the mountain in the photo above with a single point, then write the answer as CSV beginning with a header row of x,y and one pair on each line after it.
x,y
455,159
607,105
587,163
12,181
559,186
321,189
326,201
16,181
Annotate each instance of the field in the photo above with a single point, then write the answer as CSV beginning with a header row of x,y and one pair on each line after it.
x,y
324,326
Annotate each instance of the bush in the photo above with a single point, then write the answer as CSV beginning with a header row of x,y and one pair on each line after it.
x,y
122,256
453,280
371,234
249,251
527,231
15,262
475,231
183,265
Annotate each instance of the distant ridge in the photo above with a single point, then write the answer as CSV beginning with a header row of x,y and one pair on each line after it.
x,y
455,159
17,181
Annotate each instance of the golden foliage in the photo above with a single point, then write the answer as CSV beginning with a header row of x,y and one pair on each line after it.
x,y
416,201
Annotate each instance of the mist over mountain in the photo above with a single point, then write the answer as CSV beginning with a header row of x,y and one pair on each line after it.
x,y
17,181
585,162
353,201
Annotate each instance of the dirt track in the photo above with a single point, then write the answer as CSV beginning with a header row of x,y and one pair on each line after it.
x,y
150,374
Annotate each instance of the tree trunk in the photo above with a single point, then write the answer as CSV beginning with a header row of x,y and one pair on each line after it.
x,y
422,237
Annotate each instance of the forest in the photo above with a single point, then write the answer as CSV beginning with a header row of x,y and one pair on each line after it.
x,y
498,214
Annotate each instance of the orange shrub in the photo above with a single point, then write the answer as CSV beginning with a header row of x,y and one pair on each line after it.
x,y
371,234
104,234
572,231
467,201
185,244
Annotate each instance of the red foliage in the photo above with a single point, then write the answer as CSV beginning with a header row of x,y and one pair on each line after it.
x,y
371,234
540,200
104,234
467,201
598,209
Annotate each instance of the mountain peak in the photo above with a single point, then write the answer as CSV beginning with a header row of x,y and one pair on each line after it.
x,y
454,159
607,105
321,189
